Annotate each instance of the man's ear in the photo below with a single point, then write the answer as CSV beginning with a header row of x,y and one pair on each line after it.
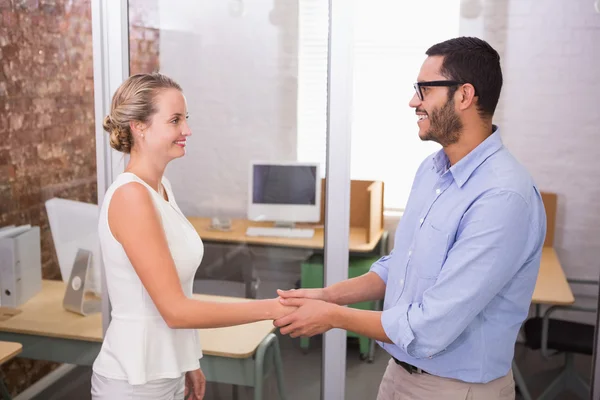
x,y
467,96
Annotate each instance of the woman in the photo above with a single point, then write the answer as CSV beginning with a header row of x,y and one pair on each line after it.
x,y
151,252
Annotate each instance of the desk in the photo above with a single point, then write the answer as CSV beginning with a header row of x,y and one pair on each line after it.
x,y
551,288
234,355
8,350
358,242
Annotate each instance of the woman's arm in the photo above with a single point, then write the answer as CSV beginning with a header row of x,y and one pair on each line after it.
x,y
135,223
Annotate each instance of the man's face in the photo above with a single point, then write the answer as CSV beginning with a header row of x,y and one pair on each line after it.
x,y
438,119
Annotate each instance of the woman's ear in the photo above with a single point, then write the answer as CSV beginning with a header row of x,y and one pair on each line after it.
x,y
137,127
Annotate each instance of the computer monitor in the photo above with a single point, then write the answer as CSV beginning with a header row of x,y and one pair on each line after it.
x,y
284,192
74,226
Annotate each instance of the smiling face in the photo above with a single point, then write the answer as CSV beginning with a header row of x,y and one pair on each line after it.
x,y
165,137
438,117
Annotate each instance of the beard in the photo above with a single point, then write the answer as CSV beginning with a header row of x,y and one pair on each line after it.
x,y
444,125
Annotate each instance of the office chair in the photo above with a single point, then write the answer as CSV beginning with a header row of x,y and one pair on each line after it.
x,y
566,337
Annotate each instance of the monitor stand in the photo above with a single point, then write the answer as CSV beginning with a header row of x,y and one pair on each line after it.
x,y
285,224
74,299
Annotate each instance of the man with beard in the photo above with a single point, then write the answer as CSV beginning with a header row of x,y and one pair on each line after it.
x,y
458,284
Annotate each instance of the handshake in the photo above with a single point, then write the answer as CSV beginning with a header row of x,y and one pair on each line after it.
x,y
303,312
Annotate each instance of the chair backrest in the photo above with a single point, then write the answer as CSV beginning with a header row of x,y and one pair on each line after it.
x,y
74,225
550,200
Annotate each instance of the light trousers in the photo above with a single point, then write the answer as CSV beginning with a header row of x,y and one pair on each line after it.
x,y
116,389
399,384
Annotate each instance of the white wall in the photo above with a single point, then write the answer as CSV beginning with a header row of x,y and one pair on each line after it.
x,y
239,76
549,110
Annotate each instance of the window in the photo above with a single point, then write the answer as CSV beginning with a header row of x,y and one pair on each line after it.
x,y
390,40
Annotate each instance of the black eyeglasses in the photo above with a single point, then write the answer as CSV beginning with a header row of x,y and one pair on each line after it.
x,y
420,85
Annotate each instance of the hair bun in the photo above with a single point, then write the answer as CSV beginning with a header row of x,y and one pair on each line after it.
x,y
120,140
108,124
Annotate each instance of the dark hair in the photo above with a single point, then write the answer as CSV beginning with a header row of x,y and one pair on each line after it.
x,y
472,60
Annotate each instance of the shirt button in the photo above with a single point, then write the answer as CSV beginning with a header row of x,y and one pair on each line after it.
x,y
401,281
437,191
421,220
409,253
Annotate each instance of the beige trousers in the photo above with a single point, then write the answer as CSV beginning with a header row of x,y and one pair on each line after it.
x,y
398,384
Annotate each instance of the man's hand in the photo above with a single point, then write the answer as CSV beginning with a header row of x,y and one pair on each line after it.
x,y
279,310
312,317
195,385
315,294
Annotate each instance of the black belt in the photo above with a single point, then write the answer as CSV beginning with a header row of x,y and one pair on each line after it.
x,y
411,369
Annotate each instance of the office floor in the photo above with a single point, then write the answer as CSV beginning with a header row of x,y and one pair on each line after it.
x,y
302,377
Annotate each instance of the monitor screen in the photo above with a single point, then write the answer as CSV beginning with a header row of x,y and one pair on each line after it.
x,y
284,184
287,191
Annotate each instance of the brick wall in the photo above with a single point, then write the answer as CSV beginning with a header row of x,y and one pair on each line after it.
x,y
47,146
46,125
144,36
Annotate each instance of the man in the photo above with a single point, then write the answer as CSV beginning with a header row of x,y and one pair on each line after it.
x,y
459,281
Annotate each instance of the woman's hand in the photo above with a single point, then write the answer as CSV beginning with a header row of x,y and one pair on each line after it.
x,y
195,385
278,310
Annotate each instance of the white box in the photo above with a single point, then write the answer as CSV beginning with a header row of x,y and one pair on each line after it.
x,y
20,265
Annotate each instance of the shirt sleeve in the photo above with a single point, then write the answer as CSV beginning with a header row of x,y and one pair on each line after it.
x,y
381,268
491,245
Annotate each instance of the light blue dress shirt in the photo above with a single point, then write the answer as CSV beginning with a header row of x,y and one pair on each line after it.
x,y
465,261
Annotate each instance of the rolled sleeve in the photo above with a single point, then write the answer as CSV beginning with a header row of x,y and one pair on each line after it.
x,y
396,327
381,268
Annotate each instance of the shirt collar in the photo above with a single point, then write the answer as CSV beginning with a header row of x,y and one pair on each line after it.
x,y
462,170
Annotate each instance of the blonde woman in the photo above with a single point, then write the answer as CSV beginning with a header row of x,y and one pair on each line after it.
x,y
151,252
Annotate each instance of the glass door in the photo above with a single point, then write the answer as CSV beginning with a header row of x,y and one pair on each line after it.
x,y
256,181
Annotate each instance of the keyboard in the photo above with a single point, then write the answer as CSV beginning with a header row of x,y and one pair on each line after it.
x,y
300,233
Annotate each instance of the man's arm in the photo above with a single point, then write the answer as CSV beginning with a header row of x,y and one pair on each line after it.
x,y
317,316
490,247
370,286
362,288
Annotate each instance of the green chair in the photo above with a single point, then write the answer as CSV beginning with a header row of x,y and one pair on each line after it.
x,y
312,277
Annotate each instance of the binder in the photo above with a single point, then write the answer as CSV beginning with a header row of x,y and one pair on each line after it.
x,y
20,265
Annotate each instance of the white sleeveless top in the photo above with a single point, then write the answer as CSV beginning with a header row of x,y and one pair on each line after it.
x,y
139,346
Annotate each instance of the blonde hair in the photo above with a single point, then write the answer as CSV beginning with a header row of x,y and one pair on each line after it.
x,y
134,100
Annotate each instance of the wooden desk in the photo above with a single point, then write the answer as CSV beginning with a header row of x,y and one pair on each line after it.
x,y
234,355
552,287
44,315
358,236
9,350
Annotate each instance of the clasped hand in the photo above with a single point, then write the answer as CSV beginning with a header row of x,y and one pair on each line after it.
x,y
313,315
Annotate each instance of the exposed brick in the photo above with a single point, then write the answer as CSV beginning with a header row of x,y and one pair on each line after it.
x,y
47,122
26,5
16,121
9,18
4,157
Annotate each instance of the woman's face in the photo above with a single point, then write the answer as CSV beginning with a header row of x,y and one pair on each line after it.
x,y
165,137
